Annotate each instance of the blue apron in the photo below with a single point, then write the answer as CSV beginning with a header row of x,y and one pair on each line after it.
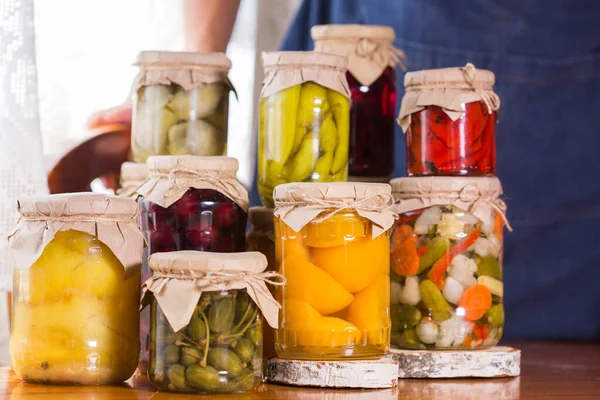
x,y
545,55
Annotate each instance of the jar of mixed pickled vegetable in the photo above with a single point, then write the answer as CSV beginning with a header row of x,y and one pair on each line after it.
x,y
371,76
332,242
446,262
210,342
180,105
304,120
76,286
449,117
132,176
191,203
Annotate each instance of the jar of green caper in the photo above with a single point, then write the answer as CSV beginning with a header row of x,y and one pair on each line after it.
x,y
205,320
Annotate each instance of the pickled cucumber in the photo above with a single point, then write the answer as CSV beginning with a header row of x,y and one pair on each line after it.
x,y
489,266
495,315
407,316
435,302
436,248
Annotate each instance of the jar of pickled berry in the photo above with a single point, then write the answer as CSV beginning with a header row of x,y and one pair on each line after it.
x,y
372,59
206,334
304,120
449,117
333,240
181,103
191,203
260,238
132,176
76,285
446,262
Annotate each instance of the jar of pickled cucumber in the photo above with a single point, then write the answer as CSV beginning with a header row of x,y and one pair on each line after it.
x,y
180,106
332,242
132,176
304,120
446,263
191,203
260,238
449,117
205,325
372,60
76,286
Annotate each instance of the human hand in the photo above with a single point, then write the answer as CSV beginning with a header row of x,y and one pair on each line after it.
x,y
120,114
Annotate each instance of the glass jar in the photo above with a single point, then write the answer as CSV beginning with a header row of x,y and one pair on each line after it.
x,y
372,122
75,310
203,219
205,338
333,305
455,134
372,80
176,109
304,127
446,289
260,238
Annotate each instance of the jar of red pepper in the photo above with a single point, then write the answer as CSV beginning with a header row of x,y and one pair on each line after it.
x,y
190,203
371,76
449,117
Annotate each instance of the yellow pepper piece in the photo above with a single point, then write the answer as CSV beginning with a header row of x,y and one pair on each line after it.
x,y
337,230
312,105
310,284
279,123
327,135
340,107
370,310
322,168
356,264
300,168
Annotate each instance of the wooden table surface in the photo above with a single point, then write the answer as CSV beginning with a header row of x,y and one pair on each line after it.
x,y
548,371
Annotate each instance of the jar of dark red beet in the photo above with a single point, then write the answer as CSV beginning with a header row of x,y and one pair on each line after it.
x,y
190,203
372,79
449,117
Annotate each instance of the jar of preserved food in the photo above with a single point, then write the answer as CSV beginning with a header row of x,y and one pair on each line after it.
x,y
205,325
132,176
372,59
260,238
304,120
446,260
191,203
76,287
449,117
180,104
333,242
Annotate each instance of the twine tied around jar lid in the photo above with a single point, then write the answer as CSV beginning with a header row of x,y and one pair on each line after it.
x,y
449,89
188,274
297,204
369,48
475,195
170,177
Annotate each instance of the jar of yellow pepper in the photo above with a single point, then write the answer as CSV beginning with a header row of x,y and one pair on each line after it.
x,y
332,242
304,120
76,289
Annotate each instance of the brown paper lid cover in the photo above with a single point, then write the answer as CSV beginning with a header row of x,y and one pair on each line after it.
x,y
180,277
132,176
299,203
169,177
284,69
111,218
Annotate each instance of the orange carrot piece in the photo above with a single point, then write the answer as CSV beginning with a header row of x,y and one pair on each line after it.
x,y
401,234
481,331
476,300
422,251
467,341
436,273
498,227
405,260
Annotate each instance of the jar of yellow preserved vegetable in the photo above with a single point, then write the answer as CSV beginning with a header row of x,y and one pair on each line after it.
x,y
206,320
76,289
181,104
304,120
333,244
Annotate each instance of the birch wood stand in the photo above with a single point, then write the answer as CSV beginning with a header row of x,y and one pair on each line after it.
x,y
365,374
497,362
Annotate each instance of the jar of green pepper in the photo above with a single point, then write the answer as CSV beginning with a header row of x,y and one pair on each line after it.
x,y
206,314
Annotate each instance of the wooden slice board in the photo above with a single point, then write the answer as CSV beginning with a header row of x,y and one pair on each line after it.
x,y
496,362
365,374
